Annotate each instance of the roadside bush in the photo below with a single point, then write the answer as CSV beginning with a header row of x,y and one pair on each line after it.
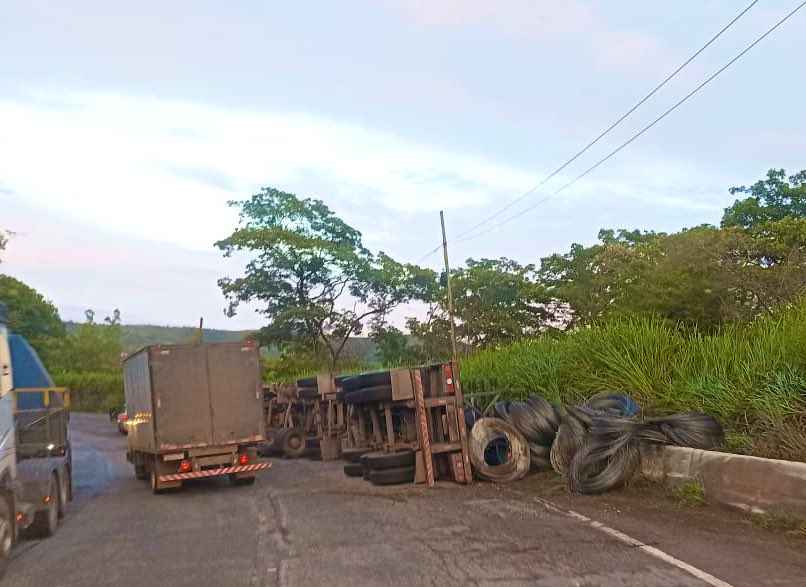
x,y
752,377
92,391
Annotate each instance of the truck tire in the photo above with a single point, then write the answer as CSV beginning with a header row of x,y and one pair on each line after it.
x,y
6,534
155,484
46,522
392,476
294,443
354,470
64,491
388,460
353,455
309,393
140,472
380,393
367,380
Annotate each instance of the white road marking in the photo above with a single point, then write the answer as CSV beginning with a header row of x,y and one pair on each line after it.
x,y
650,550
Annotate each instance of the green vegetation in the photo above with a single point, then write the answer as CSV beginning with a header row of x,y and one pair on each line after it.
x,y
689,493
316,282
31,315
92,391
136,336
752,376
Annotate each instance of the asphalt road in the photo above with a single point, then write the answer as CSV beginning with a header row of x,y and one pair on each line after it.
x,y
304,523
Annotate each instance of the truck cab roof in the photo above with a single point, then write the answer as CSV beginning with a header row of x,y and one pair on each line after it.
x,y
28,372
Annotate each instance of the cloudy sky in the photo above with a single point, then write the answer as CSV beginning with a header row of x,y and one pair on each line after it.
x,y
126,127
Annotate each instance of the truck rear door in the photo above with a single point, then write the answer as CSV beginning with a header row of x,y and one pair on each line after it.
x,y
235,392
181,396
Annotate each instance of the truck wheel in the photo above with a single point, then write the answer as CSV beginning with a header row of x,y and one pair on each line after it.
x,y
64,491
140,472
294,443
6,535
46,522
155,484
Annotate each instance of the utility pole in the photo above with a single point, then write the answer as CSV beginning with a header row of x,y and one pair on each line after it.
x,y
450,293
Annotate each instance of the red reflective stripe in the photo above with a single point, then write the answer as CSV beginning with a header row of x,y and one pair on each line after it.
x,y
215,472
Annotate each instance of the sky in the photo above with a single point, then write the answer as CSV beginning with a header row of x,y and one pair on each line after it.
x,y
125,128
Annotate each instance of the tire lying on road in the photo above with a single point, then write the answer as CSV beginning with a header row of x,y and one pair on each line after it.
x,y
376,461
354,469
493,430
353,455
391,476
293,443
380,393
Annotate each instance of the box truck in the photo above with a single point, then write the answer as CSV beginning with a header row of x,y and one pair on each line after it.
x,y
194,411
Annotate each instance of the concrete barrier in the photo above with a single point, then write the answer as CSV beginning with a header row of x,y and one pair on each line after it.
x,y
750,483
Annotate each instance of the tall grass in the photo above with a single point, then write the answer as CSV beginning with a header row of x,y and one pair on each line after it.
x,y
752,377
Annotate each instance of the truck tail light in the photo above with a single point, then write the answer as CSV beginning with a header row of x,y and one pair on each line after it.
x,y
185,466
447,372
243,459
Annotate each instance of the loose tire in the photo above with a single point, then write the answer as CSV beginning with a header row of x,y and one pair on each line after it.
x,y
353,455
354,469
392,476
6,534
386,460
294,443
46,522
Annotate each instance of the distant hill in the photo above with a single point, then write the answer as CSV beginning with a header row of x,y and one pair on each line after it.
x,y
136,336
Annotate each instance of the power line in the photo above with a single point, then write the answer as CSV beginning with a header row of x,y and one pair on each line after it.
x,y
618,121
671,109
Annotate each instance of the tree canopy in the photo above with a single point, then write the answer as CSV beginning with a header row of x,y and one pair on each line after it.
x,y
30,314
92,347
311,275
769,200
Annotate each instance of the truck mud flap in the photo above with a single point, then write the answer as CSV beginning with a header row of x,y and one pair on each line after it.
x,y
214,472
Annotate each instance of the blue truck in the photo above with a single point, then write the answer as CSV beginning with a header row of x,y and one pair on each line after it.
x,y
35,454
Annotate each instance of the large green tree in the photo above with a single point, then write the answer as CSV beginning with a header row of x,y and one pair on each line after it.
x,y
311,276
495,301
702,276
30,314
768,200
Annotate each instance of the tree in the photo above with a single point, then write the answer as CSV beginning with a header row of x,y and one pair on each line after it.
x,y
315,281
394,347
497,301
769,200
4,234
702,276
30,314
587,282
92,347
